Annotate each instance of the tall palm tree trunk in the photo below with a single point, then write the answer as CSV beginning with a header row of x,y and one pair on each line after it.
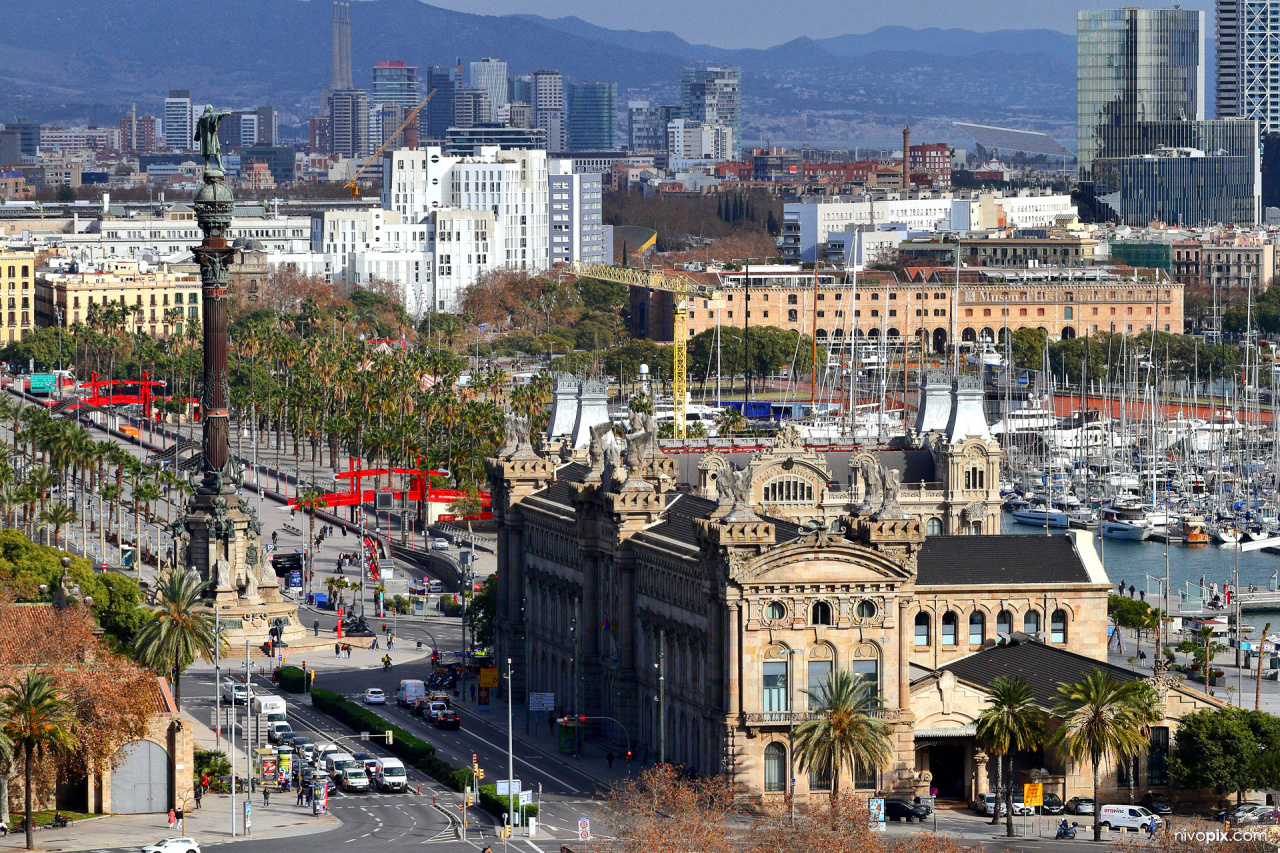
x,y
29,751
1007,798
995,809
1097,806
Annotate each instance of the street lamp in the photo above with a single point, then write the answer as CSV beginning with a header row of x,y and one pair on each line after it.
x,y
791,752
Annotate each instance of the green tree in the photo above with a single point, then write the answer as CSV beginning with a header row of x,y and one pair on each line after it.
x,y
1213,748
1101,717
37,721
1010,723
482,612
178,631
467,505
843,731
1027,348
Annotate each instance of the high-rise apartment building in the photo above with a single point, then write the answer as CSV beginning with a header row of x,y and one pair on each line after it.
x,y
548,108
437,116
320,141
349,123
178,126
1248,46
471,107
577,222
138,136
647,125
491,75
1134,65
395,83
712,95
593,115
268,127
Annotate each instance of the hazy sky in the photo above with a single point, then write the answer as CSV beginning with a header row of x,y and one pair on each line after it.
x,y
762,23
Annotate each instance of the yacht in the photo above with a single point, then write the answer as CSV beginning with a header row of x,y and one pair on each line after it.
x,y
1033,418
1122,521
1192,530
1039,514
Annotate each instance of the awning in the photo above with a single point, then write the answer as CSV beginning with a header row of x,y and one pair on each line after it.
x,y
960,731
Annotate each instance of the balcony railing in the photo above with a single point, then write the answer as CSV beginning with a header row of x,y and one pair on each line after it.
x,y
786,718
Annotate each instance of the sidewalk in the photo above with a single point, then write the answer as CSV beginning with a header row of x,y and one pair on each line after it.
x,y
209,824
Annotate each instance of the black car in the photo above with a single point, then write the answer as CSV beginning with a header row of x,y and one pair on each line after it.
x,y
1157,803
902,810
928,810
448,720
1052,805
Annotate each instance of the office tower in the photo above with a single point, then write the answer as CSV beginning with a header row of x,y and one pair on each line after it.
x,y
436,117
384,120
471,106
349,123
340,79
1248,80
1134,65
647,125
712,94
268,130
548,107
593,114
490,75
320,141
520,88
178,128
521,114
395,83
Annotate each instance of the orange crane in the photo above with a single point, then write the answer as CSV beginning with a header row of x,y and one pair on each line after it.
x,y
354,183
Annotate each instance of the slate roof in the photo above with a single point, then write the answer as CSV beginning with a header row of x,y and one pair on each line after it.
x,y
1042,667
574,472
916,465
1013,560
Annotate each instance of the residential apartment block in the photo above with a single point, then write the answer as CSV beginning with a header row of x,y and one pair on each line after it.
x,y
18,290
161,298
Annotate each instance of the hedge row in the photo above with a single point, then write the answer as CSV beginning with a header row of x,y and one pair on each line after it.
x,y
412,750
290,679
497,806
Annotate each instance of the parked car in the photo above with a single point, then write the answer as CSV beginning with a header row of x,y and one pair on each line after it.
x,y
1157,803
1052,804
375,696
173,845
1080,805
989,805
448,720
902,810
1127,817
1248,813
1020,808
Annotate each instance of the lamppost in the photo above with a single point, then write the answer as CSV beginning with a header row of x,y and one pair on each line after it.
x,y
791,752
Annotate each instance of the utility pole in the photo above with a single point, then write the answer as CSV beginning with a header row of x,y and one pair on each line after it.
x,y
232,737
248,710
662,696
511,772
217,676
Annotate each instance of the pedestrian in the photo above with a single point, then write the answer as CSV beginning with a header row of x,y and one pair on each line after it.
x,y
316,625
337,650
473,693
1132,590
199,794
1151,830
1142,595
391,642
266,797
173,820
609,759
1142,657
1120,588
301,796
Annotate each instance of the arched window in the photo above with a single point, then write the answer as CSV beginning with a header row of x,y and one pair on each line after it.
x,y
977,628
949,622
1031,622
922,629
975,529
1058,626
775,767
819,676
866,609
787,490
933,527
774,684
1004,622
821,614
775,610
793,315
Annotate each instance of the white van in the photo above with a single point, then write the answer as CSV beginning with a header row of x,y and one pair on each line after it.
x,y
339,761
1127,817
410,691
389,775
268,705
321,753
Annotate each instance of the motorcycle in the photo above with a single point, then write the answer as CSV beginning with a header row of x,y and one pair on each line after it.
x,y
386,664
1066,832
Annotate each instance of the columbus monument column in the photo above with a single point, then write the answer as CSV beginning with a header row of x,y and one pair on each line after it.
x,y
220,535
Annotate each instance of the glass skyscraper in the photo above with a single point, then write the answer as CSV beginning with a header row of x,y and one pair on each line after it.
x,y
593,116
1134,65
1249,61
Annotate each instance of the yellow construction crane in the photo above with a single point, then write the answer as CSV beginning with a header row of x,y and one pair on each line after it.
x,y
681,288
354,183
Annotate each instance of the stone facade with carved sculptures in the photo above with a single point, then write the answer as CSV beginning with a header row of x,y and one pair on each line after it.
x,y
733,597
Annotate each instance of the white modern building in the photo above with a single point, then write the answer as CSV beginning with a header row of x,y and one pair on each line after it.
x,y
577,223
164,237
688,141
179,128
548,107
807,224
491,75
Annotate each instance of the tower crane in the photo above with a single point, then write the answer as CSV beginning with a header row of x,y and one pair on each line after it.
x,y
681,288
354,183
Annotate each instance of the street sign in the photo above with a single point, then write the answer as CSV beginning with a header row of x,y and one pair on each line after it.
x,y
503,785
584,829
42,383
526,798
489,676
542,701
1033,794
876,807
248,816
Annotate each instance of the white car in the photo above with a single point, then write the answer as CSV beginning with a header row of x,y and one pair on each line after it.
x,y
440,544
173,845
375,696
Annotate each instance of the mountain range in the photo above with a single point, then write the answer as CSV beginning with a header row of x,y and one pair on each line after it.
x,y
69,60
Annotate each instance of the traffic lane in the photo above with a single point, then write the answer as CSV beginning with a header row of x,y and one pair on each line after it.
x,y
477,735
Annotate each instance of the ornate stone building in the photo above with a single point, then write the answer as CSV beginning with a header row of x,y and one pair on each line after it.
x,y
611,579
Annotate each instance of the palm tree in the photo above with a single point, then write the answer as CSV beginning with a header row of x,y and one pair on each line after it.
x,y
1010,723
36,720
844,730
311,501
58,516
1100,717
178,631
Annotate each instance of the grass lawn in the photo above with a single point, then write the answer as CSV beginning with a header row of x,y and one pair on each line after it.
x,y
46,818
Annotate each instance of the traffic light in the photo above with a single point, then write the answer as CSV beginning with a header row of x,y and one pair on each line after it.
x,y
479,772
475,760
628,756
470,801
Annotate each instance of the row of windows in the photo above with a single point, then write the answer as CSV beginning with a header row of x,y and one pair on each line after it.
x,y
26,271
776,684
775,772
978,627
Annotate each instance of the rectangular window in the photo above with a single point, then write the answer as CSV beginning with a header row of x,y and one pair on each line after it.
x,y
1158,756
819,673
775,686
